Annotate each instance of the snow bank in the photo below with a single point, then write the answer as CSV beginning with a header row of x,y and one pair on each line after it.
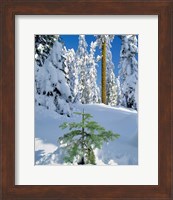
x,y
123,151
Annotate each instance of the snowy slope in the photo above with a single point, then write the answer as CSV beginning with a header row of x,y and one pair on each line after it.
x,y
123,151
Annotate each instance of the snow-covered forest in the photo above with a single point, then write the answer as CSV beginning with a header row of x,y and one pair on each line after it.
x,y
72,81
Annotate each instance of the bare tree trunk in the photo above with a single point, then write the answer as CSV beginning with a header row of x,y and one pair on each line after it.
x,y
104,72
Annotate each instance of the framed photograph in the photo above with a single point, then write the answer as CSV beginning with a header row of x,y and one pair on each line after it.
x,y
86,93
76,85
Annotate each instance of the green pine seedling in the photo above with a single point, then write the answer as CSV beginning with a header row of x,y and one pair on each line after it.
x,y
83,137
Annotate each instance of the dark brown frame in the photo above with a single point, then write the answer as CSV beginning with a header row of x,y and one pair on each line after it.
x,y
8,10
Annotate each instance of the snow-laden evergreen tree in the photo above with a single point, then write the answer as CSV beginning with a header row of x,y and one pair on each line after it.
x,y
118,91
103,38
101,42
86,62
111,82
52,88
128,70
136,95
82,61
92,90
70,62
43,45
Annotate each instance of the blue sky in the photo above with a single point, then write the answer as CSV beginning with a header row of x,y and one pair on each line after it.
x,y
71,41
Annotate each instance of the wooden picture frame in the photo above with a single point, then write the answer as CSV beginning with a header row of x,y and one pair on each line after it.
x,y
8,10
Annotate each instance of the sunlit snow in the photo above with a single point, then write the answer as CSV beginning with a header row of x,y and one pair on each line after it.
x,y
123,151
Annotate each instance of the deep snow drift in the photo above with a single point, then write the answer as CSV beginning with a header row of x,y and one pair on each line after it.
x,y
122,151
